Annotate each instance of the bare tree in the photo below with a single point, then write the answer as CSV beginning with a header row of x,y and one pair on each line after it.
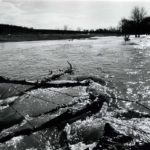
x,y
65,27
125,26
137,15
78,29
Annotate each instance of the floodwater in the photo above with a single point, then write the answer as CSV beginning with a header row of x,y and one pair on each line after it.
x,y
125,66
34,59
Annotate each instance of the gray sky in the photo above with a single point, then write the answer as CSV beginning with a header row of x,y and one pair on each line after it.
x,y
54,14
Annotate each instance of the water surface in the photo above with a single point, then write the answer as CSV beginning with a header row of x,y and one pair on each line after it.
x,y
125,66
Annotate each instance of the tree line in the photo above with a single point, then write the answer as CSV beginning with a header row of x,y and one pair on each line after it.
x,y
13,29
137,24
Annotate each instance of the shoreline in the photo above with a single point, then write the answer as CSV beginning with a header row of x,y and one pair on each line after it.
x,y
41,37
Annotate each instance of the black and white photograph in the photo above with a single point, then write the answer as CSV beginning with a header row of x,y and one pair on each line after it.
x,y
74,75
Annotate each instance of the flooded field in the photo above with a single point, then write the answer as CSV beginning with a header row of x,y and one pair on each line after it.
x,y
124,66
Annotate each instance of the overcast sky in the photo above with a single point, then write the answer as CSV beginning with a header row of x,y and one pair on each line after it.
x,y
54,14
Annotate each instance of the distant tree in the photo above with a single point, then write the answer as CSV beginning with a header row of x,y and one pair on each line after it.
x,y
145,25
136,24
65,27
125,26
137,15
78,29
